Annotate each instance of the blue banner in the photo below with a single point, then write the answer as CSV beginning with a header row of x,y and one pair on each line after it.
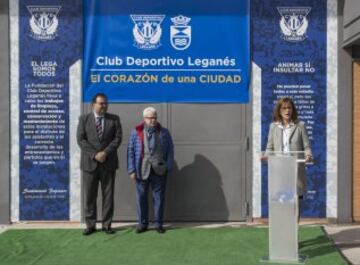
x,y
49,43
167,51
289,45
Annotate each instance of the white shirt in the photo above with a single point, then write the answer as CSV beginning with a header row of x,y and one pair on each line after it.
x,y
286,135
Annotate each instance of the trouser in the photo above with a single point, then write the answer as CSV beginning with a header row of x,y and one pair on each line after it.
x,y
91,183
300,202
158,185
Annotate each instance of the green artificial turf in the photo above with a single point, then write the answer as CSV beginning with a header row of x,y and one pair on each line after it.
x,y
190,246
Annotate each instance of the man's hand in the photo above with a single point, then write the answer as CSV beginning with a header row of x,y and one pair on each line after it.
x,y
133,176
100,157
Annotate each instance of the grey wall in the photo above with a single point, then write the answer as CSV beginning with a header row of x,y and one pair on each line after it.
x,y
4,114
344,119
351,21
211,179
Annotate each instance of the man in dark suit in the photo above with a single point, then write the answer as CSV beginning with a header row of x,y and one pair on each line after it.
x,y
99,136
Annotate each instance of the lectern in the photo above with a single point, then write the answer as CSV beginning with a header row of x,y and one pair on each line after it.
x,y
283,207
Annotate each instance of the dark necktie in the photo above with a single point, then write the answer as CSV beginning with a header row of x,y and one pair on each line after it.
x,y
98,125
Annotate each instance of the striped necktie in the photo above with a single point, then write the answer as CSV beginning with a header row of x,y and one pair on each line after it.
x,y
98,125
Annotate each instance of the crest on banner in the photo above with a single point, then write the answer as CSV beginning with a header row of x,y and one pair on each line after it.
x,y
44,22
147,31
294,23
180,32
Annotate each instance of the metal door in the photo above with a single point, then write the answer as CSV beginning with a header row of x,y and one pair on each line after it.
x,y
211,176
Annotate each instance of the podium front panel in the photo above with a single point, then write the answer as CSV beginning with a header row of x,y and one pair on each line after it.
x,y
283,208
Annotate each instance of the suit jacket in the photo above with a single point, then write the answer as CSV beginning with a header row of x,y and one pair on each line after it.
x,y
298,141
90,144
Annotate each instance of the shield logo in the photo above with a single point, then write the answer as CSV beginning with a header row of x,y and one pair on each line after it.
x,y
44,22
147,31
180,33
294,23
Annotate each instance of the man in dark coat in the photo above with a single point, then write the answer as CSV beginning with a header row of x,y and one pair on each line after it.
x,y
99,135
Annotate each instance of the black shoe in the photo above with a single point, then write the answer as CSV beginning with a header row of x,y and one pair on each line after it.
x,y
160,230
108,230
88,231
140,230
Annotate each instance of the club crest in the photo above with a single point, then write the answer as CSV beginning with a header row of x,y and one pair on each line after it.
x,y
147,31
294,23
44,22
180,32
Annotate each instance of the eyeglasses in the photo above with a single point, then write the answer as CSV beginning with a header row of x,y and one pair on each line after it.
x,y
151,118
102,103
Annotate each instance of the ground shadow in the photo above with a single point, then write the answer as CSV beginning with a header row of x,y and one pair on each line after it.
x,y
347,239
318,246
194,193
314,247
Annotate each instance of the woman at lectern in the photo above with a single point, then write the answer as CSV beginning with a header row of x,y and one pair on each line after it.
x,y
287,134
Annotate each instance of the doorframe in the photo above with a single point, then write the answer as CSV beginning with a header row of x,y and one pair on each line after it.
x,y
344,198
5,114
249,158
356,59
